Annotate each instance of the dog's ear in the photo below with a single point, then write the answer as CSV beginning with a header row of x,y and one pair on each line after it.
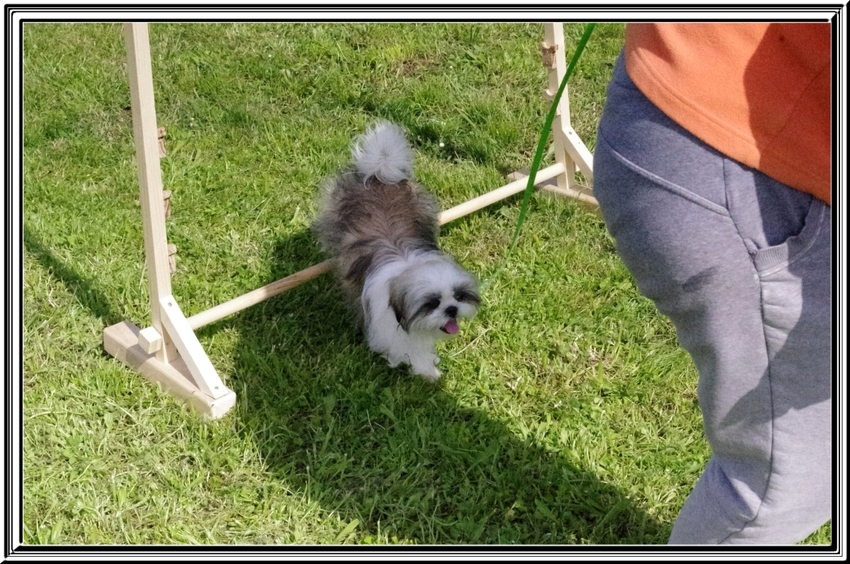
x,y
398,298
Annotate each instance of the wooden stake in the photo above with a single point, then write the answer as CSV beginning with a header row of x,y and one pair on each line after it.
x,y
160,137
172,355
166,203
172,257
568,146
150,175
555,60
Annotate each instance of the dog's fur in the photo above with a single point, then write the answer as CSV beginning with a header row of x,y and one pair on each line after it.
x,y
381,230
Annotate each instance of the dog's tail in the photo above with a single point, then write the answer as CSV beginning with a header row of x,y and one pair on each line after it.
x,y
383,152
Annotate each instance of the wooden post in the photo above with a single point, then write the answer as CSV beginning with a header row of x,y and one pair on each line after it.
x,y
569,148
145,134
168,352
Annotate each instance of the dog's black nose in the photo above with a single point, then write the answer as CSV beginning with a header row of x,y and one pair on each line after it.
x,y
451,311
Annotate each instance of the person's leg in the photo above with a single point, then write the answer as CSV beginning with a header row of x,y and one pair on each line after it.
x,y
740,263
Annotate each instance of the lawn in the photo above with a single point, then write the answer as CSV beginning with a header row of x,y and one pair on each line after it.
x,y
566,413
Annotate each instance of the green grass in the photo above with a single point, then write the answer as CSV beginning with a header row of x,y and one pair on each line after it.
x,y
566,413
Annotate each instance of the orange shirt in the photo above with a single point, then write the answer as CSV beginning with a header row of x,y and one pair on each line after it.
x,y
759,93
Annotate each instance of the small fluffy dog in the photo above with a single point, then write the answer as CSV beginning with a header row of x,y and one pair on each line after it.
x,y
381,228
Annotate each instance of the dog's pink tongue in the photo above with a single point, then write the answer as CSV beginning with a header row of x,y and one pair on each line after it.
x,y
451,327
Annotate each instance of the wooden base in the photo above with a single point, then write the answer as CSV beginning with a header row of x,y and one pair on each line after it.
x,y
584,197
122,341
577,192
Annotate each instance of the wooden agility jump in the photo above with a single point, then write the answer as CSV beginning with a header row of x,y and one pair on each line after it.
x,y
168,353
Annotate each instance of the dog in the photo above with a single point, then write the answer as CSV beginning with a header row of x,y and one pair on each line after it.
x,y
380,229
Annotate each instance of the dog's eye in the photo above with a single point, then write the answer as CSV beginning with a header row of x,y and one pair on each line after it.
x,y
431,304
466,296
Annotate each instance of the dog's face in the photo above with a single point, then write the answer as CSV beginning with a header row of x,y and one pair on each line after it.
x,y
432,294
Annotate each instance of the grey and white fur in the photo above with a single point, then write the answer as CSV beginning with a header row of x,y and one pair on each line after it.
x,y
381,228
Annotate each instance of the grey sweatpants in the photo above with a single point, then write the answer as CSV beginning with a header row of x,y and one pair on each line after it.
x,y
741,265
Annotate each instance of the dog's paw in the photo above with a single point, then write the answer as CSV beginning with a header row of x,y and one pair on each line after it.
x,y
393,361
428,373
426,366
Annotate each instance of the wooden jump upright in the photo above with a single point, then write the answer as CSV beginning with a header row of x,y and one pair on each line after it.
x,y
168,352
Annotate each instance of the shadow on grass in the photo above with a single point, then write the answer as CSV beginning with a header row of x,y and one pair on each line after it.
x,y
400,456
84,289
